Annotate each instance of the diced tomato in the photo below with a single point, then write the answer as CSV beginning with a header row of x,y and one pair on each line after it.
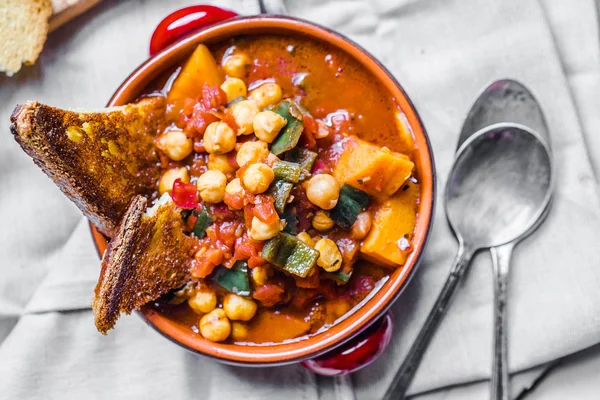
x,y
269,294
302,297
226,234
188,106
246,248
206,263
191,222
185,195
310,282
197,123
307,138
320,167
221,212
361,286
264,209
213,97
248,214
229,120
256,261
235,201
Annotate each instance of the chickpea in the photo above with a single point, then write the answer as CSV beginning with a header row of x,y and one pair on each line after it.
x,y
267,125
235,187
165,185
234,88
252,152
361,226
215,326
219,138
204,301
322,222
257,178
239,331
330,258
175,144
211,185
220,162
236,65
266,94
243,114
323,191
263,231
260,275
305,237
239,308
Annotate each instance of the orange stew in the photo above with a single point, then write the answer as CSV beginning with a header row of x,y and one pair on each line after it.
x,y
293,167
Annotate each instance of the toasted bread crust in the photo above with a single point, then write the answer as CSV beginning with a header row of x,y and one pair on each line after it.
x,y
100,160
148,256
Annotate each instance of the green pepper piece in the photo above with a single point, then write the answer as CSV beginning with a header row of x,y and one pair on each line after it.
x,y
302,260
204,220
235,279
290,254
340,277
291,222
278,249
305,158
290,134
280,190
362,198
287,171
351,202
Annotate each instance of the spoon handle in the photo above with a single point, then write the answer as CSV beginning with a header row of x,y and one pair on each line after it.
x,y
405,374
501,263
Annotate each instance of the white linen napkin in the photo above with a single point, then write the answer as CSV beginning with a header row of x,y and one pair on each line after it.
x,y
442,52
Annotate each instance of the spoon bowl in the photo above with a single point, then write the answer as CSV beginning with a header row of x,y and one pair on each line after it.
x,y
498,189
499,186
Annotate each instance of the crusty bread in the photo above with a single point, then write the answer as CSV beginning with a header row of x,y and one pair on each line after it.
x,y
148,256
23,30
100,160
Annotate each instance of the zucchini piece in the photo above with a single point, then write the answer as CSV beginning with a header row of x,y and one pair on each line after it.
x,y
290,254
340,277
280,190
204,220
235,279
305,158
287,171
291,222
351,202
290,134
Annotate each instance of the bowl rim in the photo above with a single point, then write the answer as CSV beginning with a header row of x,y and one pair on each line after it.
x,y
338,334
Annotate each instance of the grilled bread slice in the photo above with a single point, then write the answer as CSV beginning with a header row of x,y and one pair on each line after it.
x,y
100,160
148,256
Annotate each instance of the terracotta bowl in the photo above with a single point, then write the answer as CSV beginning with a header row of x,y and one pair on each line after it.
x,y
312,346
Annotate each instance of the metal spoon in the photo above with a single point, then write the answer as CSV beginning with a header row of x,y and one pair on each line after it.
x,y
498,188
505,100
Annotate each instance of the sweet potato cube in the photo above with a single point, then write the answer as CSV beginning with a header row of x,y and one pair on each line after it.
x,y
199,69
389,241
377,171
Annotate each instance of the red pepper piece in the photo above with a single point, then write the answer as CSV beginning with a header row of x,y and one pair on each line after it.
x,y
269,294
185,195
